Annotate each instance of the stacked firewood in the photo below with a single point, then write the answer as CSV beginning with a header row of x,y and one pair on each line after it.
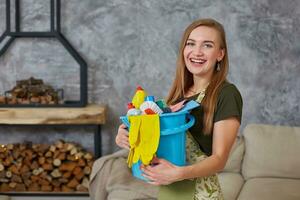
x,y
61,167
31,91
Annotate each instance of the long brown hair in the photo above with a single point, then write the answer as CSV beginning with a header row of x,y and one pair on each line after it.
x,y
184,79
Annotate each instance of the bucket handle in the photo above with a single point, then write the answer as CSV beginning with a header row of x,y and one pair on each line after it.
x,y
180,128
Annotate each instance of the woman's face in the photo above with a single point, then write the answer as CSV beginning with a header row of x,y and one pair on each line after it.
x,y
202,51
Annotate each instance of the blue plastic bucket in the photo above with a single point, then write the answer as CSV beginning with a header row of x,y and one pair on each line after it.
x,y
171,146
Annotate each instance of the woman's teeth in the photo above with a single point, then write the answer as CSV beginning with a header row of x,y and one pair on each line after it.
x,y
198,61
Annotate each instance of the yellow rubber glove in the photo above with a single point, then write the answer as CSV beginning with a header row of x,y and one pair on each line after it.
x,y
144,136
134,137
150,133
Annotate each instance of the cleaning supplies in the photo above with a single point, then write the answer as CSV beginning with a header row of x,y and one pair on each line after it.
x,y
131,110
149,106
138,97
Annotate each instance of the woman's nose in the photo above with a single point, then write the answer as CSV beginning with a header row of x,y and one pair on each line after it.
x,y
198,51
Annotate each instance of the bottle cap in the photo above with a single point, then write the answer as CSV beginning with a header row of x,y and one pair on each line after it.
x,y
139,88
130,105
149,98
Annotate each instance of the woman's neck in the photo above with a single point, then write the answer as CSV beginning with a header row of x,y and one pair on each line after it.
x,y
200,84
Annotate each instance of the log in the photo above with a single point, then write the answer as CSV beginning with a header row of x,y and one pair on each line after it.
x,y
81,188
59,144
71,157
43,182
56,189
49,154
56,183
8,174
34,178
37,171
56,162
2,174
66,189
5,187
14,169
10,146
12,185
73,183
49,160
1,167
87,170
20,187
2,100
78,173
24,169
8,161
34,187
67,175
63,180
4,180
81,162
73,151
34,165
85,182
64,148
46,188
56,173
68,166
52,148
3,148
41,160
16,178
61,156
88,156
47,166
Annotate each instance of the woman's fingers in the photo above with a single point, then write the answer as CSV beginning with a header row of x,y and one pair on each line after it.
x,y
122,138
122,126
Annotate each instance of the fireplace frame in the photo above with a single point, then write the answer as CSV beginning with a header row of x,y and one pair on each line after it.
x,y
55,32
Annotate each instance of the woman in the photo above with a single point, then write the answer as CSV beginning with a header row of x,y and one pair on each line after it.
x,y
202,68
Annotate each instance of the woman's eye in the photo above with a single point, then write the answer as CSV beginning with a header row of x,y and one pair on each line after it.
x,y
208,45
190,44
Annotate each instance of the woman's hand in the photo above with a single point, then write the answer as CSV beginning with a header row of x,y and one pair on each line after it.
x,y
161,172
122,139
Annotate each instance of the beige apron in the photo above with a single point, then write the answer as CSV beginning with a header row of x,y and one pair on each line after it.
x,y
203,188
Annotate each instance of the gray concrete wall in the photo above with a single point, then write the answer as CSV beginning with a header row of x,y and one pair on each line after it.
x,y
131,42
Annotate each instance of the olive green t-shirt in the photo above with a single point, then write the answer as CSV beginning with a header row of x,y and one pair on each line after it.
x,y
229,104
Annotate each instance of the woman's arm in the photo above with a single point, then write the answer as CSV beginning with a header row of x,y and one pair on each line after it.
x,y
224,135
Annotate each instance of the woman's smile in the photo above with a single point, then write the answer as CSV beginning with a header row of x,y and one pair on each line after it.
x,y
197,62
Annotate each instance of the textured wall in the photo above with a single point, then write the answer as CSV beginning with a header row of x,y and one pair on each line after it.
x,y
131,42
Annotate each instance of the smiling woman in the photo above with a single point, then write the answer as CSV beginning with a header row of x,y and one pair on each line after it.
x,y
202,67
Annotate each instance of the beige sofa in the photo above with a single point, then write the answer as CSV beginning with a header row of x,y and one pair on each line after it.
x,y
264,165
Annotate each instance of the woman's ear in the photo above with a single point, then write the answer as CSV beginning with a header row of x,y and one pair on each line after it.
x,y
221,55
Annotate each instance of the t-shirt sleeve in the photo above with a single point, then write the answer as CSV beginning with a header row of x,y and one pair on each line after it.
x,y
229,104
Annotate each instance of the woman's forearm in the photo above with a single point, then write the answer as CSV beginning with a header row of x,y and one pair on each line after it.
x,y
207,167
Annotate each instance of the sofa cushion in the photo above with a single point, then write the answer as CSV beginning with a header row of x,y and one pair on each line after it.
x,y
270,189
271,151
234,161
231,184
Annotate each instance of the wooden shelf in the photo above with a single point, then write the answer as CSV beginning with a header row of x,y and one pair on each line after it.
x,y
91,114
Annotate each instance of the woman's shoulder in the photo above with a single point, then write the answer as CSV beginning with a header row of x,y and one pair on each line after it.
x,y
229,92
230,88
229,103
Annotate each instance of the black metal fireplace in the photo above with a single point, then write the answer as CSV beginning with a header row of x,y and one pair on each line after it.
x,y
9,36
